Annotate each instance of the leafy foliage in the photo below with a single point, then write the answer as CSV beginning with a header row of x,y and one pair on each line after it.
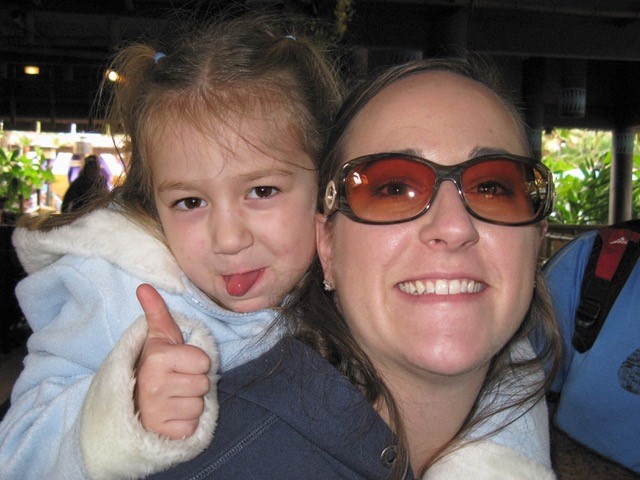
x,y
20,175
581,164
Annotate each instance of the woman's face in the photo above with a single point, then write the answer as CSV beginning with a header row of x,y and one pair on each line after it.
x,y
447,119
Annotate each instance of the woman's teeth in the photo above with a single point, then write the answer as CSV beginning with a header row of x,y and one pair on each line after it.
x,y
441,287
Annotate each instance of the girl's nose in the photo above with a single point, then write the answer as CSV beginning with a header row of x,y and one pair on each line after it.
x,y
230,233
447,223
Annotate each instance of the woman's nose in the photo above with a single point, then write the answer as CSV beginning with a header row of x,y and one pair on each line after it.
x,y
230,233
447,222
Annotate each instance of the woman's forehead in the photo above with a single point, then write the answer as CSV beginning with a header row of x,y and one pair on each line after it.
x,y
436,93
431,109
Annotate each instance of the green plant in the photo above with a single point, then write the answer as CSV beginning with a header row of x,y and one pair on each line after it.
x,y
20,176
581,164
343,13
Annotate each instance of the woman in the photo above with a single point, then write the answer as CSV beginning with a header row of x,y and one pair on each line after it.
x,y
435,279
424,303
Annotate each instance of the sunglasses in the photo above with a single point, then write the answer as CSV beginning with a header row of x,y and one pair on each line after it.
x,y
388,188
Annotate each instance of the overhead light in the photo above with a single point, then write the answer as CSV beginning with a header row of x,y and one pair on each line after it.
x,y
113,75
32,70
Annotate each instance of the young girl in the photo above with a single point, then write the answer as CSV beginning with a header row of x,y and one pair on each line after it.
x,y
225,124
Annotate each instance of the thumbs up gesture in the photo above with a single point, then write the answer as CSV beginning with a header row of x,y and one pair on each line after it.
x,y
171,375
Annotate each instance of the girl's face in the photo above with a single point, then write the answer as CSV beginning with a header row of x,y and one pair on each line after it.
x,y
450,332
237,211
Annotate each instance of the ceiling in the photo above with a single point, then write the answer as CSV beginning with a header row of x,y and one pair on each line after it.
x,y
542,47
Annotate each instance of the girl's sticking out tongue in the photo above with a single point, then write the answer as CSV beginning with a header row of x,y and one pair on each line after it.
x,y
240,283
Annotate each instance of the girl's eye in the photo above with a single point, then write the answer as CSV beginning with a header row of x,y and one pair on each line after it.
x,y
190,203
262,192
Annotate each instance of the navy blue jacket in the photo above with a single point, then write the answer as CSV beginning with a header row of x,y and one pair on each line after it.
x,y
289,414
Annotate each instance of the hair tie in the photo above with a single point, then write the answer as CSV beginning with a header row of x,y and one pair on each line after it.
x,y
158,56
291,37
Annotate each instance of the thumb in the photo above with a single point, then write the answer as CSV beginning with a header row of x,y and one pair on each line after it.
x,y
159,321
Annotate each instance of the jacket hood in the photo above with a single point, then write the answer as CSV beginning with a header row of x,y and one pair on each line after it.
x,y
105,234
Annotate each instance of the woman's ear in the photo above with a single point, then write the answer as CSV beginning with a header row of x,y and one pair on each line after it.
x,y
324,246
543,227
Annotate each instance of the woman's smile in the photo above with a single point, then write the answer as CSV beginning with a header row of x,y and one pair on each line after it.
x,y
441,286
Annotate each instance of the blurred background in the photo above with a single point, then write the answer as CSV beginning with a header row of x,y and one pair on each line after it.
x,y
573,66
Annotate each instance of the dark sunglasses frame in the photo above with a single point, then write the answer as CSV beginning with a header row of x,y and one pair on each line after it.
x,y
335,199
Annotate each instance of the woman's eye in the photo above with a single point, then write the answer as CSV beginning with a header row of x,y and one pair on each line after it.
x,y
393,189
262,192
190,203
492,189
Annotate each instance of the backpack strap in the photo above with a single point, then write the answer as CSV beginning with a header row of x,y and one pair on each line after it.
x,y
613,256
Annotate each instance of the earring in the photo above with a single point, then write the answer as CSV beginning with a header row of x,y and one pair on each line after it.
x,y
328,286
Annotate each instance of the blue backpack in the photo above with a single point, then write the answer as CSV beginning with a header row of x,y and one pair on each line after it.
x,y
613,256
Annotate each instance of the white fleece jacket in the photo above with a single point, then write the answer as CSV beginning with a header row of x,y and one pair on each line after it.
x,y
485,460
72,413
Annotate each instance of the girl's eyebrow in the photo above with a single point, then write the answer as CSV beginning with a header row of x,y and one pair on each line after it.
x,y
270,172
243,178
174,185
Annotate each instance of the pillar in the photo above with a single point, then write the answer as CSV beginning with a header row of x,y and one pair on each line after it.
x,y
454,35
621,188
573,89
533,76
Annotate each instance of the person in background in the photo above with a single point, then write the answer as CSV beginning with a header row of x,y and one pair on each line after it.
x,y
90,184
408,353
596,393
226,121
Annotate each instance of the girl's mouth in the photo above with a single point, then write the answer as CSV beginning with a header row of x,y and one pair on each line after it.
x,y
238,284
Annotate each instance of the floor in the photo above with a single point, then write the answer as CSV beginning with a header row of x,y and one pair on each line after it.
x,y
573,462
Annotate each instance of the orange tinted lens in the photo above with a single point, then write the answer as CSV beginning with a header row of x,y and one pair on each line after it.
x,y
389,190
503,190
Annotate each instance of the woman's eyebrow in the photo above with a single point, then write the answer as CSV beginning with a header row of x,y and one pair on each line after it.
x,y
408,151
479,150
476,151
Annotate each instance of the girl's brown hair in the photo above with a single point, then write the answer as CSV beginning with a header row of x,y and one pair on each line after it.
x,y
210,74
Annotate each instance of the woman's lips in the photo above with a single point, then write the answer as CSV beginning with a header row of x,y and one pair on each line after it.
x,y
441,287
239,284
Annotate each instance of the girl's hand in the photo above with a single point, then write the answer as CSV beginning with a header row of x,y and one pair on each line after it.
x,y
171,376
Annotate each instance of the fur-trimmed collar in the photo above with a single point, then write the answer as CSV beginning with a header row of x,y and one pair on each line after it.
x,y
485,460
105,234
